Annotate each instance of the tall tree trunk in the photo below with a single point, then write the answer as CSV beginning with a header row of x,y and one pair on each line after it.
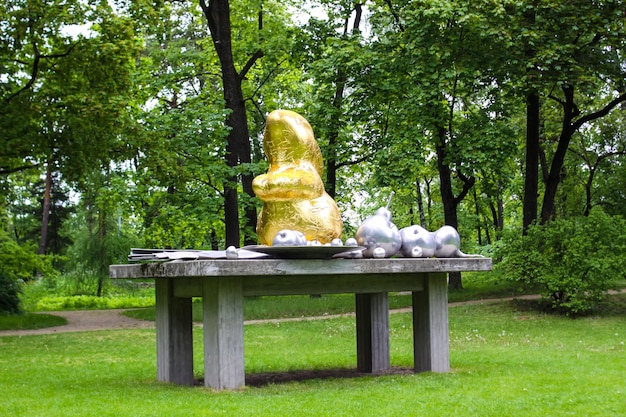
x,y
238,149
554,176
450,202
102,249
497,212
420,203
445,183
45,210
478,223
531,177
333,135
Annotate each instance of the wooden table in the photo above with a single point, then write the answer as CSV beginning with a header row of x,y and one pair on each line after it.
x,y
224,283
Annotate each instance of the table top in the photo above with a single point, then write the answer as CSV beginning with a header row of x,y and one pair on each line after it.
x,y
274,267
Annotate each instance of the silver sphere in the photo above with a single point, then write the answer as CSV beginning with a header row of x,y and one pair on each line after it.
x,y
417,242
377,231
231,253
448,242
288,237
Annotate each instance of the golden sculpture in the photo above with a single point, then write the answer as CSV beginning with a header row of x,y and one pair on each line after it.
x,y
292,190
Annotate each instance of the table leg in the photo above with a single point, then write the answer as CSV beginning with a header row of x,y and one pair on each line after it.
x,y
372,332
174,335
430,325
223,333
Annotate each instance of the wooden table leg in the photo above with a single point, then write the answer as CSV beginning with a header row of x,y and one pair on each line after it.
x,y
430,325
174,335
372,332
223,333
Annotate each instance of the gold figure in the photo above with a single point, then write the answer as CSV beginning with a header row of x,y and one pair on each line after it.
x,y
292,190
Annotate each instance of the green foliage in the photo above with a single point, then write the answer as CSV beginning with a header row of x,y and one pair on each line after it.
x,y
21,262
129,112
77,289
91,302
100,239
9,296
573,262
64,98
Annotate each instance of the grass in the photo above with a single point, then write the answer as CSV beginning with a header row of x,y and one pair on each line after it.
x,y
477,286
30,321
286,306
508,360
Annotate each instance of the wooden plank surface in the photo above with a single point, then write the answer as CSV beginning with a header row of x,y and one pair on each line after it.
x,y
314,284
296,267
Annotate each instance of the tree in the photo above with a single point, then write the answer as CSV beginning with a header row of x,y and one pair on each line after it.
x,y
597,147
566,53
447,80
238,149
64,98
178,166
187,170
330,59
99,236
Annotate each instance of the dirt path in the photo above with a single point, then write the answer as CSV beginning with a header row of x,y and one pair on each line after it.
x,y
84,321
92,320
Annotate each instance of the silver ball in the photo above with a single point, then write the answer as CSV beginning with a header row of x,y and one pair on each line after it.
x,y
448,242
288,237
378,231
231,253
379,253
417,242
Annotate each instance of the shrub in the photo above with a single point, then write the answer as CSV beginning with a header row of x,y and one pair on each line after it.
x,y
21,262
573,262
91,302
9,295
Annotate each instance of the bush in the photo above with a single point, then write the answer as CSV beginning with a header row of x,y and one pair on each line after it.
x,y
21,262
91,302
9,295
573,262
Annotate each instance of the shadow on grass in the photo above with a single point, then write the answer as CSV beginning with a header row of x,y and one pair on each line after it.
x,y
30,321
613,306
263,379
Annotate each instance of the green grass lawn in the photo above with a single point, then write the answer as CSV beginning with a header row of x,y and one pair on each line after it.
x,y
507,360
30,321
477,286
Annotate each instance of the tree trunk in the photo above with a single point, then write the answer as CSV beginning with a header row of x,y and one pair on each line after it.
x,y
450,202
531,177
238,149
45,210
420,203
102,249
429,201
554,176
445,182
478,221
333,135
497,212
